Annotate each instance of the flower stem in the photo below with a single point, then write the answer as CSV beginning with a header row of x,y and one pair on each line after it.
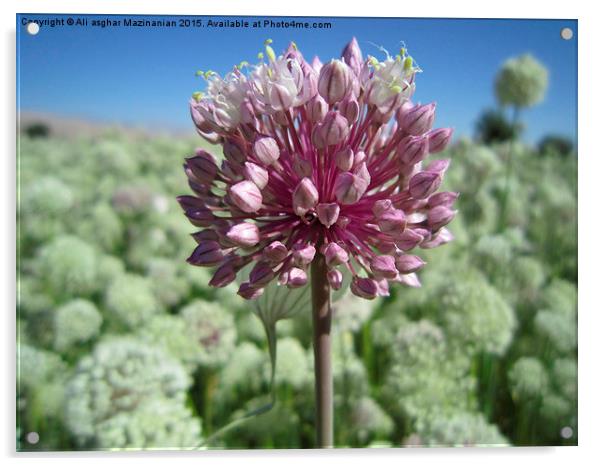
x,y
322,317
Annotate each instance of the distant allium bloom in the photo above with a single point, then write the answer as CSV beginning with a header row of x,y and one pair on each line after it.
x,y
78,321
528,379
521,82
319,159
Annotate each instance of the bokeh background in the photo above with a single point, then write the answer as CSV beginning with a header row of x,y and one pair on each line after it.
x,y
121,344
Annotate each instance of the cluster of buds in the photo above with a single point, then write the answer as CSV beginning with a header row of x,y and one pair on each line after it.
x,y
318,159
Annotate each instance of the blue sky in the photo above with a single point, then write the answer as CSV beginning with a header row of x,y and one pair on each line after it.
x,y
144,76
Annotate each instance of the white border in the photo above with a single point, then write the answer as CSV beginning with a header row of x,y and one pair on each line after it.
x,y
590,320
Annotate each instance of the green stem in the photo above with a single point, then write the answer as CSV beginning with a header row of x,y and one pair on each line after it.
x,y
322,319
504,203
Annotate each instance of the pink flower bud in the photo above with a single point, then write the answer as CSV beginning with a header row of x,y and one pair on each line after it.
x,y
328,214
261,274
381,206
418,119
223,276
316,64
408,263
440,216
333,130
246,196
256,174
382,287
344,159
349,188
439,139
350,109
444,198
203,166
410,280
408,240
243,234
392,222
438,166
266,150
316,109
443,236
364,287
383,267
335,278
296,278
275,252
305,197
247,291
335,81
359,158
303,168
413,149
303,254
280,96
423,184
334,254
206,254
362,172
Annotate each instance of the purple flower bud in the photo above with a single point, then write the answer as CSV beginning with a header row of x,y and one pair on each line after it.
x,y
444,198
349,188
392,222
328,214
438,139
352,55
344,159
266,150
231,170
223,276
243,234
383,267
190,203
333,130
381,206
233,152
206,254
247,291
334,254
275,252
335,278
335,83
408,240
305,197
413,149
316,64
440,216
296,278
303,254
317,108
418,119
407,263
201,217
203,166
246,196
261,274
443,236
205,235
256,174
364,287
423,184
350,109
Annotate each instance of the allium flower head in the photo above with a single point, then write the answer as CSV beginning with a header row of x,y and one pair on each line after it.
x,y
319,159
521,82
